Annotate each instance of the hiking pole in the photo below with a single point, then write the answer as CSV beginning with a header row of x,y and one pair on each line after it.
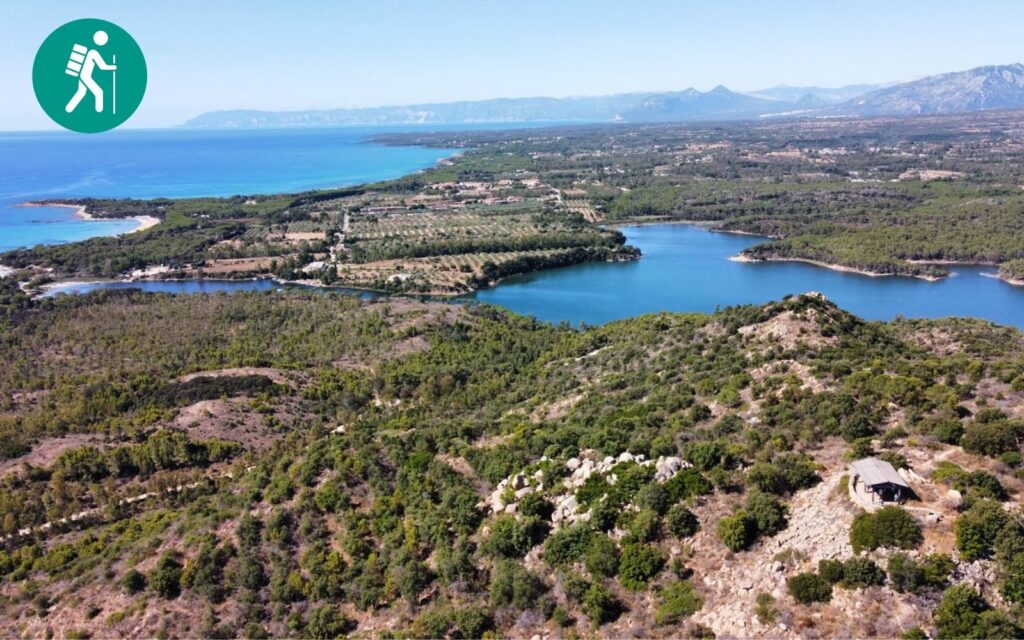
x,y
113,60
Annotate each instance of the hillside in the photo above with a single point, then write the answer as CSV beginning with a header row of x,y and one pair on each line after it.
x,y
311,465
981,88
825,94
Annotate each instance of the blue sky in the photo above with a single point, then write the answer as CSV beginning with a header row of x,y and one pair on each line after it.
x,y
206,55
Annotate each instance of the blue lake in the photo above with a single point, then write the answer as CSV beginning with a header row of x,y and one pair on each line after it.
x,y
202,286
685,268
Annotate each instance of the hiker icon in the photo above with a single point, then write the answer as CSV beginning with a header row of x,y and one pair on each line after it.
x,y
81,64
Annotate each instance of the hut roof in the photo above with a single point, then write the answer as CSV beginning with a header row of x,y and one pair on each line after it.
x,y
874,472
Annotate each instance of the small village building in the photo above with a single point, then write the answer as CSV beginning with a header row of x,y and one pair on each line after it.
x,y
879,481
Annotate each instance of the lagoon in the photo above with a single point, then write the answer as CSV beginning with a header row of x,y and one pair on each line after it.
x,y
687,268
199,286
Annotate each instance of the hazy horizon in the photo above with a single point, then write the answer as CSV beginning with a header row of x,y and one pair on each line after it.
x,y
321,55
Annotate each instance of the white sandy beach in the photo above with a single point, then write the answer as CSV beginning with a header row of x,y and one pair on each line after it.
x,y
145,222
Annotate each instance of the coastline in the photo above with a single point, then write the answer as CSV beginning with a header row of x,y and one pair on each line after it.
x,y
648,222
1015,282
145,222
836,267
52,288
706,225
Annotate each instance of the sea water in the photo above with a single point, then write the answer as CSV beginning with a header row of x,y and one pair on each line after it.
x,y
179,163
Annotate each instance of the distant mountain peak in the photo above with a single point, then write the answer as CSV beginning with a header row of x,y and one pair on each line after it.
x,y
987,87
980,88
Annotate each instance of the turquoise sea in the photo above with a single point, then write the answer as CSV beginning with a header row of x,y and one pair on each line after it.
x,y
683,268
178,163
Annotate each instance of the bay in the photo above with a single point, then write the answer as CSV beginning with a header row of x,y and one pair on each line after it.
x,y
684,268
178,163
687,268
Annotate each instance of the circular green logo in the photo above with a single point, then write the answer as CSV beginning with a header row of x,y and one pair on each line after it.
x,y
89,75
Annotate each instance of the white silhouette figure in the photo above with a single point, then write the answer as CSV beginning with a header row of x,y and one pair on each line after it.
x,y
81,64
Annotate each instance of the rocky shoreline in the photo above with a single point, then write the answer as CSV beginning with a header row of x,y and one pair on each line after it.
x,y
740,257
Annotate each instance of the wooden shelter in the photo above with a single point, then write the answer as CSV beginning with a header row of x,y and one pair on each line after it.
x,y
880,480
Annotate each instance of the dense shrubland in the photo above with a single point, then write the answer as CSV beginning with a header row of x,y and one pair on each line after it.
x,y
395,420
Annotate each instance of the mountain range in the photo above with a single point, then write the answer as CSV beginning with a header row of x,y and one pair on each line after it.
x,y
988,87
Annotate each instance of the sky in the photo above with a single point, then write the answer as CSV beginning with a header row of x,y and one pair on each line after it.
x,y
206,55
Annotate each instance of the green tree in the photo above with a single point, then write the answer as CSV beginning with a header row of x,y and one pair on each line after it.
x,y
600,605
327,622
681,522
765,610
513,585
980,526
861,572
890,527
166,576
602,557
831,570
567,545
679,600
639,563
958,614
654,497
808,588
737,532
512,538
133,582
768,514
991,438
